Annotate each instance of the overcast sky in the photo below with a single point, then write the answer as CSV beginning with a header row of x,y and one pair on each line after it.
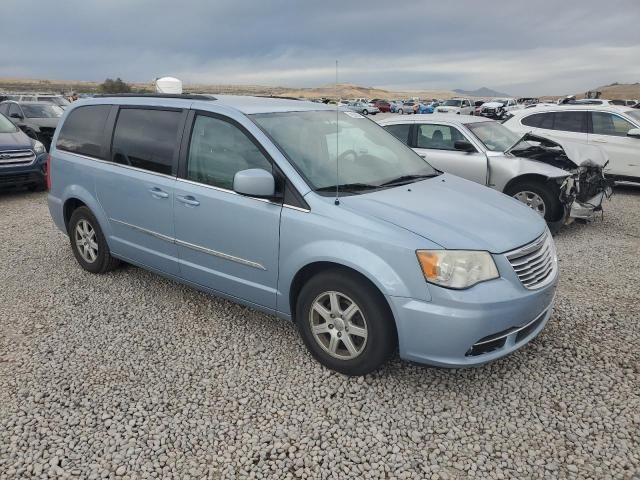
x,y
519,46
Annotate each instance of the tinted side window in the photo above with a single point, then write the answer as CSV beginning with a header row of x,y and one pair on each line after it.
x,y
218,150
4,109
14,108
83,131
401,132
608,124
146,139
570,121
539,120
437,137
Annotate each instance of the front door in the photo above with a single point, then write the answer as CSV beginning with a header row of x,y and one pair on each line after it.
x,y
436,143
227,242
610,132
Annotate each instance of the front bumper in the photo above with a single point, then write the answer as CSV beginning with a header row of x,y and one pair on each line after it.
x,y
465,328
586,210
21,175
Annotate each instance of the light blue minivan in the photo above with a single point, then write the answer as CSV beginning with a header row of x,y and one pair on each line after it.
x,y
315,215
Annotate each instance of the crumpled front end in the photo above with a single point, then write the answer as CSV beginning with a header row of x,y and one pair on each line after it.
x,y
582,192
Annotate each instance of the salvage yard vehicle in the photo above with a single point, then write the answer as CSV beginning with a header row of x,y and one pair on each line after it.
x,y
36,119
559,180
615,129
22,159
58,100
238,196
498,108
460,106
363,108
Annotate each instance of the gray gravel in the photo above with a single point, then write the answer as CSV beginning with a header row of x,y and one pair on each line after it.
x,y
128,375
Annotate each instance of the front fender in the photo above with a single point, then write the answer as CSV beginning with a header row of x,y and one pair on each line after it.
x,y
364,261
505,169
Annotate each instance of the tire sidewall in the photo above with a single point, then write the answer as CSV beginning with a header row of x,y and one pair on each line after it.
x,y
83,213
381,334
553,207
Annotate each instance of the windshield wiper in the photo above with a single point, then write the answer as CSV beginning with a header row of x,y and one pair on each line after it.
x,y
348,187
404,179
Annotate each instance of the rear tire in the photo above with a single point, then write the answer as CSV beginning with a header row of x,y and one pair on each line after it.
x,y
399,111
361,335
365,112
88,243
532,193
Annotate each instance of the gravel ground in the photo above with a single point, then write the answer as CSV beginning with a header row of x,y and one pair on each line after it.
x,y
129,375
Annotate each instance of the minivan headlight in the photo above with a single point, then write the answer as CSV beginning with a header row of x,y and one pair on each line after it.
x,y
38,147
457,268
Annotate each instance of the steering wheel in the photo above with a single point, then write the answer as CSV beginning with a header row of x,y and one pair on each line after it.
x,y
344,154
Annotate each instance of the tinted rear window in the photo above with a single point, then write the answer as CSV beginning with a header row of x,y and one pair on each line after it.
x,y
146,139
539,120
570,121
83,131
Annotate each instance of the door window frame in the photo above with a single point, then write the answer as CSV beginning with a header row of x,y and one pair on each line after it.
x,y
287,194
110,129
615,114
413,137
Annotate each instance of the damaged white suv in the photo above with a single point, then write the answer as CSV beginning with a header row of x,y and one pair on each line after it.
x,y
562,181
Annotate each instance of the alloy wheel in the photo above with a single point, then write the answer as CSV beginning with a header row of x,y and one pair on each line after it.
x,y
85,239
338,325
532,200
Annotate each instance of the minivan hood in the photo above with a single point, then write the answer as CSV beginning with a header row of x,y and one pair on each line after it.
x,y
14,141
454,213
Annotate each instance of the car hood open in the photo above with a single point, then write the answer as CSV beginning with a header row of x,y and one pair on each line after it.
x,y
454,213
578,153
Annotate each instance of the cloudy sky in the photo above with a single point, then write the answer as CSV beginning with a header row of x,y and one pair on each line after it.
x,y
522,47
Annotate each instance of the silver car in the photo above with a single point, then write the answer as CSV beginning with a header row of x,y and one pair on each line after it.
x,y
363,108
562,181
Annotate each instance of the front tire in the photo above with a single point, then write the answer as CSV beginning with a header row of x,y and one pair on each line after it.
x,y
539,197
345,323
400,111
365,112
88,243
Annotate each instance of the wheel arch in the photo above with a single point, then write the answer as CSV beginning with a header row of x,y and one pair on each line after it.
x,y
76,196
527,177
314,268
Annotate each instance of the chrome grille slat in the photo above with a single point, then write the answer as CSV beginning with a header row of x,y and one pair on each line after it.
x,y
535,263
10,158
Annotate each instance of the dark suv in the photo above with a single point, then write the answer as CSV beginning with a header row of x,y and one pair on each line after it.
x,y
22,159
36,119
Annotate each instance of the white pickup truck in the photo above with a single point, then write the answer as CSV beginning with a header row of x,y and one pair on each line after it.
x,y
460,106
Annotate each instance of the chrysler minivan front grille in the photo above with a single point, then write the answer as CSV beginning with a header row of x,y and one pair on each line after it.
x,y
536,263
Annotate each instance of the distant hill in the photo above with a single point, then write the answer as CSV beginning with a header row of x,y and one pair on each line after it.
x,y
615,91
481,92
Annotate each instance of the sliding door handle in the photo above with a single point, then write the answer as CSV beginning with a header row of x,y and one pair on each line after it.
x,y
156,192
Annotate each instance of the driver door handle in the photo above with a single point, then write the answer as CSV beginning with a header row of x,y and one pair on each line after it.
x,y
188,200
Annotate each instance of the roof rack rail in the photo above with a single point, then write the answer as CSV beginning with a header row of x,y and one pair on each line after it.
x,y
184,96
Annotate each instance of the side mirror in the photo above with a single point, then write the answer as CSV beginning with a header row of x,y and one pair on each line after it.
x,y
464,146
634,132
254,182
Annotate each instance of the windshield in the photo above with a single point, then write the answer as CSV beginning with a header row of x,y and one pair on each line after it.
x,y
6,125
635,114
452,103
495,136
500,100
46,110
368,155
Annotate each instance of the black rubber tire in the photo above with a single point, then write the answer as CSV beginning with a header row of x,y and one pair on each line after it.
x,y
104,261
553,207
381,337
400,111
365,112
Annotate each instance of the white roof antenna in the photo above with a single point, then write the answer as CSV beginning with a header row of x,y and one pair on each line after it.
x,y
168,85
